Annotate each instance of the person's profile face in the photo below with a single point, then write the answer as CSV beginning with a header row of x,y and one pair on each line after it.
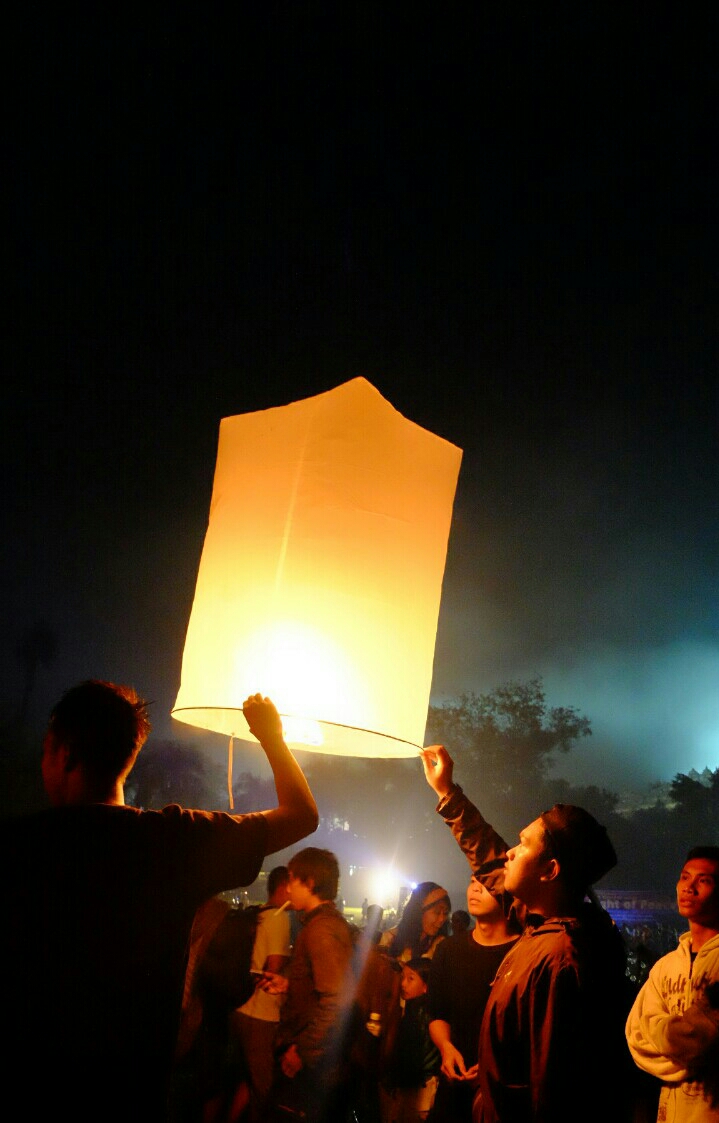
x,y
526,861
435,912
283,893
298,893
481,903
698,892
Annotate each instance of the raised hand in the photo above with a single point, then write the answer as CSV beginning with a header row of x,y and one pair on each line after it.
x,y
438,769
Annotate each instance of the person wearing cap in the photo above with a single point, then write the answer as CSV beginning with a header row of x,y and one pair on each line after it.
x,y
673,1027
551,1040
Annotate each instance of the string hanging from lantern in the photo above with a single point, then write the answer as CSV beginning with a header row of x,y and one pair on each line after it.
x,y
229,773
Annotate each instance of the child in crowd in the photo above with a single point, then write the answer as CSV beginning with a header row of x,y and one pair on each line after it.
x,y
411,1084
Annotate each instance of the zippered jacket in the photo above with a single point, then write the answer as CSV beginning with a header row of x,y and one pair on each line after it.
x,y
673,1033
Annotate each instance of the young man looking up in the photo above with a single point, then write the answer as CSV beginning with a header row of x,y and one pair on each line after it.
x,y
99,902
460,978
673,1026
312,1020
551,1044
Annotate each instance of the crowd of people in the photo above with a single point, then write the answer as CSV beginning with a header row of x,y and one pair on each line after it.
x,y
522,1011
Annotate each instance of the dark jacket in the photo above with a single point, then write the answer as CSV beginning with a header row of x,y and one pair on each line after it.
x,y
319,989
551,1043
415,1057
484,849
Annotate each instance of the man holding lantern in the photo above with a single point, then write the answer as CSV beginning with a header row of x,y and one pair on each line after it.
x,y
100,899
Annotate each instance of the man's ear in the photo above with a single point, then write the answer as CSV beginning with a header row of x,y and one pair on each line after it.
x,y
129,766
66,756
551,871
63,751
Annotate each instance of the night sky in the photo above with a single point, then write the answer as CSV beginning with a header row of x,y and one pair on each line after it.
x,y
506,221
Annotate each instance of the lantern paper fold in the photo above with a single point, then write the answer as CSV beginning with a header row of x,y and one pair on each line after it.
x,y
321,574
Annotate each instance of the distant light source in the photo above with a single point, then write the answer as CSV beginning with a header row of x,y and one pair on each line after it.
x,y
321,574
384,887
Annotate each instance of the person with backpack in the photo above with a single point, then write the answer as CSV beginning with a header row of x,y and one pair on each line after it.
x,y
253,1026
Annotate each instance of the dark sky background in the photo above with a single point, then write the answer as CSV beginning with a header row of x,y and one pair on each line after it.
x,y
505,220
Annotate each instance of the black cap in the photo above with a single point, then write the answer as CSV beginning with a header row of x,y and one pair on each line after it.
x,y
579,843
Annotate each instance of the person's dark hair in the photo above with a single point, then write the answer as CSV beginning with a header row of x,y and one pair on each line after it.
x,y
491,875
711,853
461,921
102,725
409,929
421,966
276,877
320,867
580,844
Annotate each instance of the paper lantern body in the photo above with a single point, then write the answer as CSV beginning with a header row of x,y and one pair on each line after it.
x,y
321,574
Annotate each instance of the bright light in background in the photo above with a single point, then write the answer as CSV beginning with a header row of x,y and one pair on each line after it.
x,y
380,884
385,885
653,713
707,747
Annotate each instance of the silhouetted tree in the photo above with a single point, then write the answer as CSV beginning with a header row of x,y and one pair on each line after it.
x,y
600,802
698,802
503,743
653,841
364,793
253,793
649,853
168,772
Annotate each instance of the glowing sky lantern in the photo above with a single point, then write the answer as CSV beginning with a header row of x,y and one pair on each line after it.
x,y
321,574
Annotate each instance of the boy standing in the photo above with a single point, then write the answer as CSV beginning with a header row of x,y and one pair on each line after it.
x,y
414,1065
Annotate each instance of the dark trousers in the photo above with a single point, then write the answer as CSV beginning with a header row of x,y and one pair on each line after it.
x,y
308,1098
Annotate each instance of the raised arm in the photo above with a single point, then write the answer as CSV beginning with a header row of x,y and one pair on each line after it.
x,y
296,814
438,770
478,841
